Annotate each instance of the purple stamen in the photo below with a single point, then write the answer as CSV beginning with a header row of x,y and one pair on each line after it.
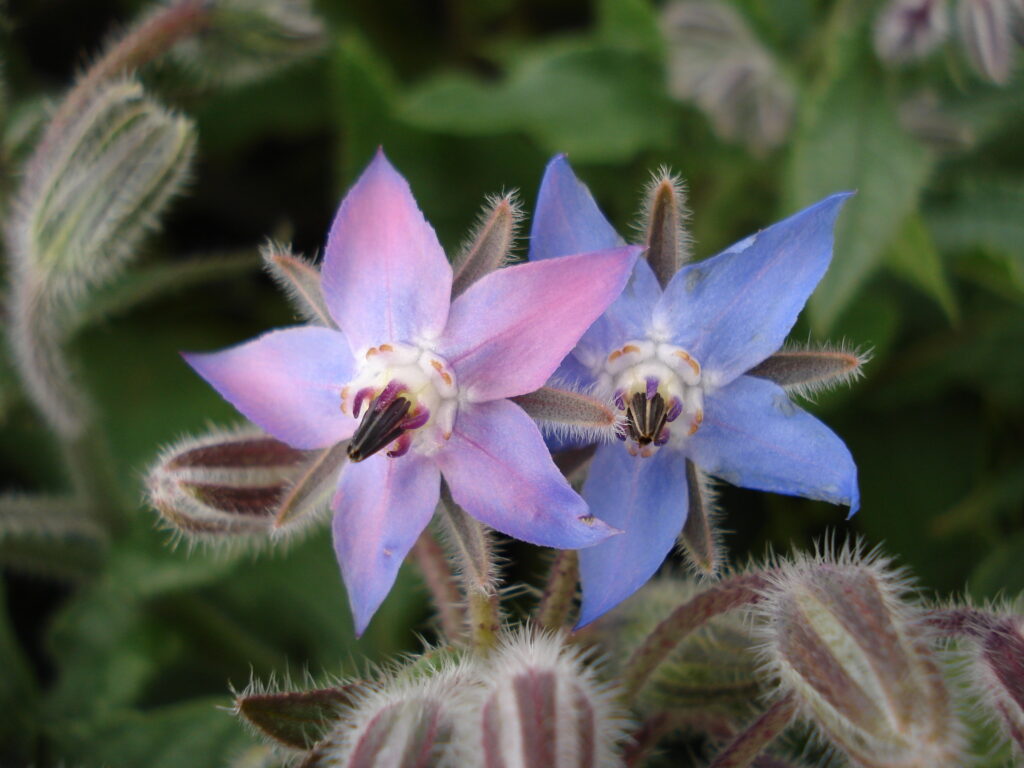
x,y
675,407
402,445
662,437
417,419
620,399
387,396
652,387
357,404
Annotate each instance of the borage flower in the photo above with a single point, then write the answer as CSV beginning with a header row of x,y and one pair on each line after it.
x,y
419,384
674,362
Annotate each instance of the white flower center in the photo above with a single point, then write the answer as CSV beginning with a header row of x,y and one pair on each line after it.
x,y
410,390
656,385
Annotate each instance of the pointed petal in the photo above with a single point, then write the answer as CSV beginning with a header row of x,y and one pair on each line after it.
x,y
646,498
509,331
735,309
500,472
385,276
381,507
288,382
567,219
754,436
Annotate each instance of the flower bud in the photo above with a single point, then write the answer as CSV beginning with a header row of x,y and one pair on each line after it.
x,y
987,37
999,666
245,39
841,637
98,187
910,29
405,722
539,707
227,487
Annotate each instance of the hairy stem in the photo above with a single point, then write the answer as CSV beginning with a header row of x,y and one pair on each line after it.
x,y
556,601
691,615
437,575
745,748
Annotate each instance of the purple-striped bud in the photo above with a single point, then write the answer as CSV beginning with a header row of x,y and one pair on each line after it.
x,y
540,707
999,667
840,636
910,29
405,723
987,37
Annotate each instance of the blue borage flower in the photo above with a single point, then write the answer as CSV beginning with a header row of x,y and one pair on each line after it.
x,y
419,384
674,362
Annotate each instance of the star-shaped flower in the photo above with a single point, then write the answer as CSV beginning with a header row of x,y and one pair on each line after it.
x,y
419,383
674,362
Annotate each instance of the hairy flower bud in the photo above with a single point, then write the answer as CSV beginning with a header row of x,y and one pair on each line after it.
x,y
987,37
540,707
999,668
910,29
245,39
228,487
840,636
296,719
405,722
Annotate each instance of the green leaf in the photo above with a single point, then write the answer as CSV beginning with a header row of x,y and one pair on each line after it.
x,y
852,139
914,257
595,102
1000,573
18,697
629,23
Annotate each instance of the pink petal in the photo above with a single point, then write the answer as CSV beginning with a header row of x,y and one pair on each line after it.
x,y
288,382
385,276
501,473
509,331
381,507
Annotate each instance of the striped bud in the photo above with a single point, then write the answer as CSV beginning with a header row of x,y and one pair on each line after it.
x,y
910,29
998,668
986,35
540,707
841,638
246,39
405,723
227,487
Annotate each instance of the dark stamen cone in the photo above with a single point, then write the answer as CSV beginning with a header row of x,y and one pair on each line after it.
x,y
646,417
381,426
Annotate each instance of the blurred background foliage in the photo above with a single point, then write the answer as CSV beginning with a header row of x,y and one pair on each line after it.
x,y
115,649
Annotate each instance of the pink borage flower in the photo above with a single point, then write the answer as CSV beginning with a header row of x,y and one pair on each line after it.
x,y
418,384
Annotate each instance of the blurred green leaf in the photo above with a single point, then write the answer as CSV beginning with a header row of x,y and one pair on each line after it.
x,y
630,24
18,696
197,734
1000,573
852,139
914,257
597,103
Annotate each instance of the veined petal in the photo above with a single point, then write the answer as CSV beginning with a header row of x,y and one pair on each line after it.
x,y
381,507
567,219
385,275
754,436
733,310
509,331
501,473
646,498
288,382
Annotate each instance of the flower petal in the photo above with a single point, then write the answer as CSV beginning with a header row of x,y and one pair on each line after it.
x,y
509,331
754,436
288,382
735,309
381,507
567,219
647,499
500,472
385,276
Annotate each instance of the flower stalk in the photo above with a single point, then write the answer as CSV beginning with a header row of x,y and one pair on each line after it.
x,y
556,602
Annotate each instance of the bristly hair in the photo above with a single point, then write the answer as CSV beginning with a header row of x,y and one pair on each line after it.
x,y
641,223
708,489
849,362
491,203
578,433
301,283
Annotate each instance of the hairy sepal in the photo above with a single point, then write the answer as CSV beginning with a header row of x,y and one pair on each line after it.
x,y
301,282
701,537
664,219
294,719
565,412
804,371
490,243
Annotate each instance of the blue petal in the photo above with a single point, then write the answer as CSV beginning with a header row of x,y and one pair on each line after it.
x,y
381,507
754,436
567,219
646,498
735,309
